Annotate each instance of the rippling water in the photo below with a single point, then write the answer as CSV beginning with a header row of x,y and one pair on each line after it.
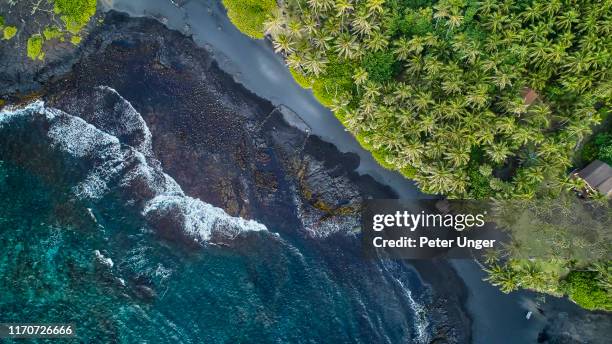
x,y
80,246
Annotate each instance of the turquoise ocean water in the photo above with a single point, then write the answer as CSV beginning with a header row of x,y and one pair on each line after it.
x,y
100,266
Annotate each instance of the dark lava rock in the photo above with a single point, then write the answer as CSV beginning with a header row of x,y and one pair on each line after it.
x,y
19,75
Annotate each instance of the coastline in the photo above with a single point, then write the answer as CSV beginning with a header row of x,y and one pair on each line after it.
x,y
331,175
467,286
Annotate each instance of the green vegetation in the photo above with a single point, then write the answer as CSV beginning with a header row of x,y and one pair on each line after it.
x,y
35,45
63,19
76,40
9,32
75,13
432,82
53,33
475,99
585,288
599,147
559,246
249,15
301,79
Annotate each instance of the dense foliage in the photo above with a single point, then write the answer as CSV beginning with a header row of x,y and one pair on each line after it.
x,y
585,288
75,13
599,147
553,241
249,15
480,100
470,99
35,45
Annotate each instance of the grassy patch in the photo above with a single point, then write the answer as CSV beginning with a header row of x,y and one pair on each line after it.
x,y
53,33
301,79
76,39
249,15
75,13
35,44
582,288
9,32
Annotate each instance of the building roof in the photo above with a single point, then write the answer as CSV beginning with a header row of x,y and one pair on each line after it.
x,y
529,95
598,175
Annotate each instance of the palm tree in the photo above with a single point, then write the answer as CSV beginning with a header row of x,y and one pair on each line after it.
x,y
427,124
360,76
503,277
454,21
506,125
478,97
532,13
294,29
343,7
442,11
441,179
458,156
321,6
521,135
375,6
412,151
567,19
551,7
315,63
295,61
402,91
310,25
321,40
377,42
372,90
498,152
283,44
423,100
402,49
491,256
275,24
346,46
496,21
487,6
362,24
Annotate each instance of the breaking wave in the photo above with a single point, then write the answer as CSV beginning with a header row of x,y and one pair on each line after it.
x,y
106,152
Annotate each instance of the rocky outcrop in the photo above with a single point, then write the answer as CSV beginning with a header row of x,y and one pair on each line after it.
x,y
20,75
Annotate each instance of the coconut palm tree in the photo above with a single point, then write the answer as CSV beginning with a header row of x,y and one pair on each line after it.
x,y
487,6
362,23
275,24
315,64
402,49
503,277
283,44
346,46
360,76
375,6
377,41
321,6
343,7
498,152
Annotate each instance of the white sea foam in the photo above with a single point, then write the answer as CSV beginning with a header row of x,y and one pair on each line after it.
x,y
114,165
200,219
420,312
104,260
